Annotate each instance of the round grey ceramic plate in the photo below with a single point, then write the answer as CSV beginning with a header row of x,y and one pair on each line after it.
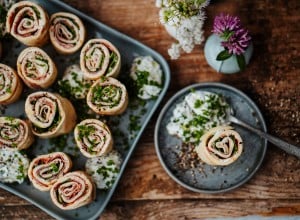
x,y
206,178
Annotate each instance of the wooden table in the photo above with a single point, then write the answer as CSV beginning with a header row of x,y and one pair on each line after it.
x,y
272,80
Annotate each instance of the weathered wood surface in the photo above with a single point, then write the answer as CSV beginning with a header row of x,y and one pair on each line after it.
x,y
272,80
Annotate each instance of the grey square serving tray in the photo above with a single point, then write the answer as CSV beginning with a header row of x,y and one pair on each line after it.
x,y
129,48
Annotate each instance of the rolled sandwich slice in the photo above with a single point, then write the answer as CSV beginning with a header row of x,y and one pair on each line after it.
x,y
220,146
107,96
73,190
15,134
36,68
67,32
11,86
46,169
50,114
93,138
28,22
98,58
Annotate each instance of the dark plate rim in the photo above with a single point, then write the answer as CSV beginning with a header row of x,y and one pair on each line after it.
x,y
170,103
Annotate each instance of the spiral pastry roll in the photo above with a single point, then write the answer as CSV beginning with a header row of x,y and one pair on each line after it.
x,y
220,146
46,169
15,134
28,22
11,86
107,96
36,68
93,138
67,32
73,190
98,58
50,114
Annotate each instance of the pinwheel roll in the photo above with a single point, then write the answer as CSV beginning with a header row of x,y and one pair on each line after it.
x,y
15,134
10,85
67,32
98,58
220,146
36,68
29,23
73,190
50,114
107,96
93,138
46,169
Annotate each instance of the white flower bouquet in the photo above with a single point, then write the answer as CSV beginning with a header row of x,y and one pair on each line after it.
x,y
183,19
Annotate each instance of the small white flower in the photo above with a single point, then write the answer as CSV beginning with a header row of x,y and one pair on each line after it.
x,y
174,51
159,3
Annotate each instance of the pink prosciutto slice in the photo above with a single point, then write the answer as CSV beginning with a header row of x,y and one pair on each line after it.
x,y
46,169
93,138
220,146
28,22
11,86
67,32
15,134
50,114
73,190
36,68
98,58
107,96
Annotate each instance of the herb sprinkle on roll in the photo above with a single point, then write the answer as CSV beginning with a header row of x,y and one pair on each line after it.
x,y
107,96
98,58
15,134
93,138
28,22
67,32
50,114
46,169
11,86
220,146
36,68
73,190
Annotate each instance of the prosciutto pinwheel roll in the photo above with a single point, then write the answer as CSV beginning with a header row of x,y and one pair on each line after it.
x,y
98,58
15,134
67,32
93,138
11,86
46,169
73,190
50,114
36,68
29,23
220,146
107,96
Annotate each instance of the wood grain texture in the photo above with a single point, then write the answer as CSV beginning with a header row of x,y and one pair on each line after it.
x,y
272,80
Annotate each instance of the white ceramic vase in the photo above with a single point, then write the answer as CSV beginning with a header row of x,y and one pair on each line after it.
x,y
213,47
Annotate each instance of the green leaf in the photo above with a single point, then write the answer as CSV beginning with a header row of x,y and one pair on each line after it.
x,y
223,55
241,61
